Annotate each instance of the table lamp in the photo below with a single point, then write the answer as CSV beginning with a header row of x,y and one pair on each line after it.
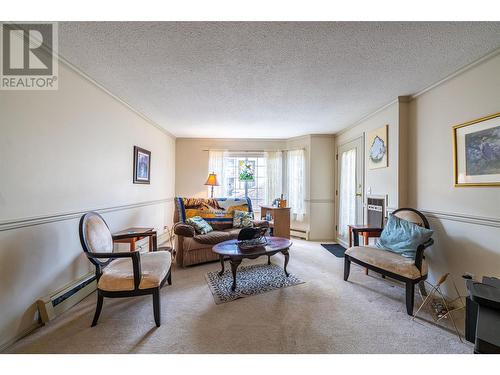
x,y
212,181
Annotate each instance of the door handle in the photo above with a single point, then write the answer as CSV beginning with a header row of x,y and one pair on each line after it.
x,y
359,195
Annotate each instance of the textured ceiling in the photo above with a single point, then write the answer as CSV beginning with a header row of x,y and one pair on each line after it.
x,y
271,79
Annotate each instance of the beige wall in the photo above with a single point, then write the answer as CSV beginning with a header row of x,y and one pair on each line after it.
x,y
63,152
469,241
469,96
466,220
382,181
322,188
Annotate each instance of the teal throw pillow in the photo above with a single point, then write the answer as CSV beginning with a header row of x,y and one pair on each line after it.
x,y
199,224
242,219
402,237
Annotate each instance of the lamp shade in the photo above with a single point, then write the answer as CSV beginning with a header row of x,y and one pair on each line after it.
x,y
212,180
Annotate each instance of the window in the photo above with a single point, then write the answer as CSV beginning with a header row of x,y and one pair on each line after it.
x,y
296,183
257,175
347,198
246,176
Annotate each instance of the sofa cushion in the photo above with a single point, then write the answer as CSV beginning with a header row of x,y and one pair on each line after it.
x,y
185,230
213,237
190,244
403,237
119,274
222,226
388,261
233,232
200,225
242,219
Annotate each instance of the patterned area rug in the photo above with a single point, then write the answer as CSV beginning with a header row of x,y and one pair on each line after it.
x,y
250,280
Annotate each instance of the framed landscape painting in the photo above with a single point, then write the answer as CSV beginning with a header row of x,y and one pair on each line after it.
x,y
476,148
142,166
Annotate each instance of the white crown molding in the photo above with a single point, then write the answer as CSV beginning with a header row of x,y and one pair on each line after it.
x,y
272,140
366,117
85,76
409,98
322,135
117,98
298,137
50,218
457,73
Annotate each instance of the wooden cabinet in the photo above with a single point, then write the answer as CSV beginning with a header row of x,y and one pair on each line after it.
x,y
280,222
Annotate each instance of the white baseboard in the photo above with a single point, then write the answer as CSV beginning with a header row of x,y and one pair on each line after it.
x,y
342,242
300,233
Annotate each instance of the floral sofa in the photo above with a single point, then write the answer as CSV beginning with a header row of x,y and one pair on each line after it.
x,y
193,248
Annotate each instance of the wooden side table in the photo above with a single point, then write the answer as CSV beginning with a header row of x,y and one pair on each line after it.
x,y
134,234
366,236
280,220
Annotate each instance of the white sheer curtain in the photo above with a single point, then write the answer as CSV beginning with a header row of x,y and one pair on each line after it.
x,y
216,165
274,184
347,197
296,183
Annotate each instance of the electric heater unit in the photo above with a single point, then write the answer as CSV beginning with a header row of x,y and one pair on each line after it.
x,y
55,304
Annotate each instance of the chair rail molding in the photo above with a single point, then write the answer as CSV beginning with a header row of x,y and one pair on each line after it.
x,y
50,218
464,218
319,200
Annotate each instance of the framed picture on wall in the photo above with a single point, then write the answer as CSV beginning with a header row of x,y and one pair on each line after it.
x,y
377,148
142,166
476,152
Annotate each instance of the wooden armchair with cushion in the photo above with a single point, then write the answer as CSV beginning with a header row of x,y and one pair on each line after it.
x,y
122,274
408,270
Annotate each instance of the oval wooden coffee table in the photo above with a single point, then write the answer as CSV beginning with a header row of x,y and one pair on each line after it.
x,y
229,249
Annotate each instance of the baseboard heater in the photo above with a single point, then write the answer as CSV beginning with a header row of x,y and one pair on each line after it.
x,y
300,233
55,304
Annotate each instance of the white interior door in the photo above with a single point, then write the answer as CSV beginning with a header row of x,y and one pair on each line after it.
x,y
350,187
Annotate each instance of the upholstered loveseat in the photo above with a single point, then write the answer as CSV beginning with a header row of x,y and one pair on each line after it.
x,y
193,248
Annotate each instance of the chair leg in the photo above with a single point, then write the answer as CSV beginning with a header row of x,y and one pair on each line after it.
x,y
347,267
410,297
98,309
421,285
156,306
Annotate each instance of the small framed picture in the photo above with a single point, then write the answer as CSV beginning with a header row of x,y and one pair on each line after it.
x,y
377,146
476,152
142,166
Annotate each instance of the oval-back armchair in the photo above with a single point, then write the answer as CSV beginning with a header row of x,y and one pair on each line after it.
x,y
122,274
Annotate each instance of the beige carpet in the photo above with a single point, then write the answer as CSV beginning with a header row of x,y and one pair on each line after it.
x,y
324,315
